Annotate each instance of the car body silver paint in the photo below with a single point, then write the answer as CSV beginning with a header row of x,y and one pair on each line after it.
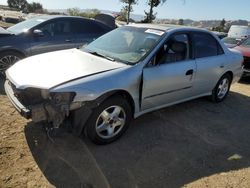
x,y
128,78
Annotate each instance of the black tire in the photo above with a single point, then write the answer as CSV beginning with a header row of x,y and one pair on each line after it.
x,y
8,58
222,88
99,119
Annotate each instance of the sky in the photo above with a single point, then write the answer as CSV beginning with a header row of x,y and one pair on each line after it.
x,y
176,9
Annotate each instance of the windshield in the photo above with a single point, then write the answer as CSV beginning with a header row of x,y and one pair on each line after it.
x,y
126,44
25,25
246,42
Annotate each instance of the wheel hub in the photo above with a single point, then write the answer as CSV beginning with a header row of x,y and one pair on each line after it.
x,y
110,122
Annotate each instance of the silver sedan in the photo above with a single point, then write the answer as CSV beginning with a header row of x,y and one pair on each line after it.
x,y
125,73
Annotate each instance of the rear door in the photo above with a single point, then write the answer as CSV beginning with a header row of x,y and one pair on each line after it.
x,y
86,31
169,76
210,60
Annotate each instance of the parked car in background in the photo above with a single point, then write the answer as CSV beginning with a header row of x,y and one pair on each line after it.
x,y
231,42
239,31
45,34
244,48
123,74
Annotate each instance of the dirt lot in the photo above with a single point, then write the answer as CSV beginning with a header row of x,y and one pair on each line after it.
x,y
195,144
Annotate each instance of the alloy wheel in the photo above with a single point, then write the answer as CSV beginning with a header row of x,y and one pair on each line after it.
x,y
110,122
223,88
7,61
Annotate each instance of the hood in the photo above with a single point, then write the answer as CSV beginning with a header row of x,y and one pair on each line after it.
x,y
244,50
4,32
54,68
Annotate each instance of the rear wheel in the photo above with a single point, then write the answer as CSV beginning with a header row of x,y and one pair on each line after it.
x,y
222,88
7,59
109,120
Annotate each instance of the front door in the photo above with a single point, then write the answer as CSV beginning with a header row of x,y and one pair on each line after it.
x,y
57,35
168,78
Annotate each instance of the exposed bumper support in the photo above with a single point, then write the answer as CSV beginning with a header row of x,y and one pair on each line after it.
x,y
25,112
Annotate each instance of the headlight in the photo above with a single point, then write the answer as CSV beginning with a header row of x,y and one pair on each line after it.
x,y
59,97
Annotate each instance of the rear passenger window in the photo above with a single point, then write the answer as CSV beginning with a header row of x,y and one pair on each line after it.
x,y
87,27
205,45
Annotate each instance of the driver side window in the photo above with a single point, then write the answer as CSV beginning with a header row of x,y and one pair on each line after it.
x,y
175,49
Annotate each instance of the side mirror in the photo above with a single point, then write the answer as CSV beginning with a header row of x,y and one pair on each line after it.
x,y
38,33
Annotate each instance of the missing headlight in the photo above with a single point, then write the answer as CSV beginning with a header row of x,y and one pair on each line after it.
x,y
62,98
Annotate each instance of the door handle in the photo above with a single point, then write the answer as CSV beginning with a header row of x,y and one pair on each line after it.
x,y
190,72
68,40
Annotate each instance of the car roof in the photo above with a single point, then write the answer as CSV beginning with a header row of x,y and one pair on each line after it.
x,y
168,27
49,17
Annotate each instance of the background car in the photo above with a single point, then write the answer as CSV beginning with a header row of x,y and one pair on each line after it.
x,y
231,42
239,31
123,74
244,48
45,34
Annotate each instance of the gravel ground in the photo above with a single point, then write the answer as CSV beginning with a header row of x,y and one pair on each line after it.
x,y
194,144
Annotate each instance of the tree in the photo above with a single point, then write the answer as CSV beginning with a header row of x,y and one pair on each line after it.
x,y
74,11
181,22
18,4
128,8
222,23
35,7
90,14
150,16
221,27
122,15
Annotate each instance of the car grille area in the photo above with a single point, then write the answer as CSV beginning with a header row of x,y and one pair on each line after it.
x,y
28,96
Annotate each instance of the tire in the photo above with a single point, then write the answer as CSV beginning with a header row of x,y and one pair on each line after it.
x,y
222,88
109,120
7,59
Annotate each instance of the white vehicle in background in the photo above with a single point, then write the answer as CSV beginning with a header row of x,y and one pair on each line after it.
x,y
239,31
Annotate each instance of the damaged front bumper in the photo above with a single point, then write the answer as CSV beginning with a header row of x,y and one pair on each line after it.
x,y
42,109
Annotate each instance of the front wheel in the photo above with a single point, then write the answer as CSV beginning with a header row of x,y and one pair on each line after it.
x,y
222,88
7,59
109,120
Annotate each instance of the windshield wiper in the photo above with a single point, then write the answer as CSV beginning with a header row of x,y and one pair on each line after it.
x,y
101,55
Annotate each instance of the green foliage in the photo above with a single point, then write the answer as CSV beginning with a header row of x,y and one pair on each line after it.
x,y
127,9
74,11
35,7
150,16
23,5
122,15
18,4
222,23
180,22
77,12
221,27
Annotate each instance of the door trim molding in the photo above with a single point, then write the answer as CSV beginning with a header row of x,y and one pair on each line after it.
x,y
167,92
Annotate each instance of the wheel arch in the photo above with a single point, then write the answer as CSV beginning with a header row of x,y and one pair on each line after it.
x,y
230,73
79,121
15,51
125,94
